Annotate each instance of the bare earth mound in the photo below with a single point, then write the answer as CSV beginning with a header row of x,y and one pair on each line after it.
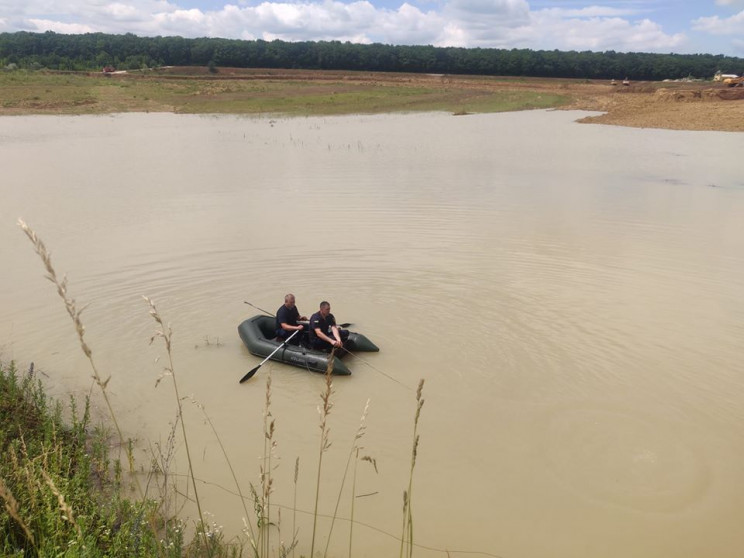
x,y
678,106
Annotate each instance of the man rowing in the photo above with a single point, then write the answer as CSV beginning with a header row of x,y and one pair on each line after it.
x,y
286,321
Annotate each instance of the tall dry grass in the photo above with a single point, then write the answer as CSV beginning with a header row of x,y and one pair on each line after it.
x,y
12,508
406,538
149,523
356,447
324,410
165,333
266,469
60,496
74,312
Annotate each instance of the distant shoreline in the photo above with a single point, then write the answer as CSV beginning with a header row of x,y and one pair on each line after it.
x,y
693,105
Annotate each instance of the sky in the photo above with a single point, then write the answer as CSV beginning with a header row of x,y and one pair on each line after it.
x,y
665,26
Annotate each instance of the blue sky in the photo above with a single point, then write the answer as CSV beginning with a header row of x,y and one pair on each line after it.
x,y
680,26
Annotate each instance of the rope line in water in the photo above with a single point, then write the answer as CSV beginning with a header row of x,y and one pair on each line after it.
x,y
396,538
388,376
371,366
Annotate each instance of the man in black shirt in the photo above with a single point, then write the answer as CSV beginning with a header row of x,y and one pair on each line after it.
x,y
286,320
324,334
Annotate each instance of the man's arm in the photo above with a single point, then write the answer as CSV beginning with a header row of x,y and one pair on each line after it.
x,y
334,329
283,317
325,338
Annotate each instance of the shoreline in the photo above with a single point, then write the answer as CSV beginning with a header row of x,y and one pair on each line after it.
x,y
683,105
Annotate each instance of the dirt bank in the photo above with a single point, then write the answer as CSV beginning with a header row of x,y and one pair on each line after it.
x,y
676,106
670,105
693,105
673,105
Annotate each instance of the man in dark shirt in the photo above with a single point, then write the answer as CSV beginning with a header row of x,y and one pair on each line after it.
x,y
324,334
286,320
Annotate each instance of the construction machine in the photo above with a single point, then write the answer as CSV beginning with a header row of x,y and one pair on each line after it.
x,y
734,82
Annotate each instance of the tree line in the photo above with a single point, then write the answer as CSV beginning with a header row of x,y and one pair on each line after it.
x,y
93,51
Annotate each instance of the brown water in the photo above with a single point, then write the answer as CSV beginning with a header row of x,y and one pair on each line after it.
x,y
570,293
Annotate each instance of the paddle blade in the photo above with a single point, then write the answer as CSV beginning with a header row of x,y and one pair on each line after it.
x,y
250,374
345,325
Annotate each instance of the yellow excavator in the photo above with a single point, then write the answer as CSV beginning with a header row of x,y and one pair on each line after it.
x,y
734,82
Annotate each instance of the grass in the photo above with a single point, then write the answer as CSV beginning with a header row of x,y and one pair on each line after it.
x,y
58,488
165,333
64,493
26,92
407,534
34,92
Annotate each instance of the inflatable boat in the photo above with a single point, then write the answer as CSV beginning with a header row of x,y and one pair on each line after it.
x,y
259,335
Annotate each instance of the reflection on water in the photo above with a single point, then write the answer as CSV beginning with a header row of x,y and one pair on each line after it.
x,y
571,293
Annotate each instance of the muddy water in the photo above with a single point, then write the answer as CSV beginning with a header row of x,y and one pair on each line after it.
x,y
570,293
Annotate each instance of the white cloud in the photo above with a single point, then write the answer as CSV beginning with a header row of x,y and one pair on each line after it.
x,y
495,15
481,23
463,23
453,36
305,21
58,26
508,9
409,25
720,26
596,11
122,12
555,28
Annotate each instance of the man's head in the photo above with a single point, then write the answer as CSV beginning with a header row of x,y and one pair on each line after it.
x,y
325,308
289,300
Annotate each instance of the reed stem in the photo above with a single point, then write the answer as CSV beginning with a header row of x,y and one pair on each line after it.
x,y
407,532
323,410
266,478
74,313
354,448
294,507
166,333
232,472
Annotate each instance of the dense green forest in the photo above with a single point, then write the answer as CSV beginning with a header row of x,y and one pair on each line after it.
x,y
92,51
